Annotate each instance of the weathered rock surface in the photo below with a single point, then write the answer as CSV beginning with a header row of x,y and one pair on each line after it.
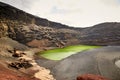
x,y
98,61
19,67
38,32
29,29
91,77
7,74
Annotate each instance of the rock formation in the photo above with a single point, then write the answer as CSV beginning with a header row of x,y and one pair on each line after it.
x,y
91,77
17,62
26,28
29,29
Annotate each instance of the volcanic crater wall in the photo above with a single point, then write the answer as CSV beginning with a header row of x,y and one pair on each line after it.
x,y
32,30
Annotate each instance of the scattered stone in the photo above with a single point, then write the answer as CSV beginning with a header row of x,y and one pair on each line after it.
x,y
10,51
7,74
60,44
18,53
22,63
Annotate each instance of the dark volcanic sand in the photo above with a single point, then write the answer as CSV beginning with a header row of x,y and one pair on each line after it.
x,y
98,61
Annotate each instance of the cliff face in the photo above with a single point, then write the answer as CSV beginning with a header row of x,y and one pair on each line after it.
x,y
30,30
38,32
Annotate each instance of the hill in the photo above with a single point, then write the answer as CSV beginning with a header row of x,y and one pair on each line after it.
x,y
39,32
30,30
102,34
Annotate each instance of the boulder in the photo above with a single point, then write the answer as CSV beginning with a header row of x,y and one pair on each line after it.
x,y
91,77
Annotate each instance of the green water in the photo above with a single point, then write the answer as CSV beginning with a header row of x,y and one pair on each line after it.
x,y
61,53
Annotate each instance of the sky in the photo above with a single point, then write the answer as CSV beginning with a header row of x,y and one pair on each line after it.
x,y
77,13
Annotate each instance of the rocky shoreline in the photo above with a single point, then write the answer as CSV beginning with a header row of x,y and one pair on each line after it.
x,y
15,59
28,62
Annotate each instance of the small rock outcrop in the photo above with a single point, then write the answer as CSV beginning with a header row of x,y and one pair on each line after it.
x,y
91,77
21,63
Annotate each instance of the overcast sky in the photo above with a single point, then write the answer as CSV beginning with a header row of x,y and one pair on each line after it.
x,y
77,13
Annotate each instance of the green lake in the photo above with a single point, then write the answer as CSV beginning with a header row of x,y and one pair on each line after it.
x,y
61,53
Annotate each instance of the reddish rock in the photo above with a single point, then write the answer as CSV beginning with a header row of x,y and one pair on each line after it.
x,y
91,77
7,74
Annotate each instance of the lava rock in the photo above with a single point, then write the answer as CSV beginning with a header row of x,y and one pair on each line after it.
x,y
91,77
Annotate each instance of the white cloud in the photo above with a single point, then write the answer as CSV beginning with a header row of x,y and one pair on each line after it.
x,y
111,2
81,13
